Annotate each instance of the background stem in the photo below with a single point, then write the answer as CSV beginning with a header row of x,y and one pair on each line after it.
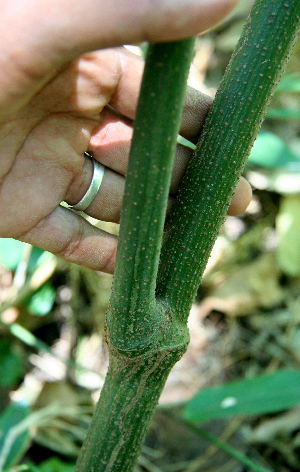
x,y
225,143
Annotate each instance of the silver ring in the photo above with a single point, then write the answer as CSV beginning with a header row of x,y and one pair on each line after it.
x,y
98,173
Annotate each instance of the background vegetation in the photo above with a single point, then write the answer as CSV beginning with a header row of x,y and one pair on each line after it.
x,y
244,325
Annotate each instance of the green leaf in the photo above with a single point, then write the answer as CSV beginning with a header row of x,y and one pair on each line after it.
x,y
10,364
264,394
289,83
271,151
185,142
13,441
288,230
55,465
283,114
37,257
42,301
11,252
50,465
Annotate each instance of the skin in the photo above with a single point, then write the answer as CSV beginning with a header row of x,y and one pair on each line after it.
x,y
56,83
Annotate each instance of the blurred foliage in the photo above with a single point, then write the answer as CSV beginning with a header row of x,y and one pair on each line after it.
x,y
50,465
54,465
11,366
288,230
255,396
272,152
14,439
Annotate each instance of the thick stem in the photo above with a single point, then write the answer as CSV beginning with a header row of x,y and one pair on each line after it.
x,y
225,143
131,391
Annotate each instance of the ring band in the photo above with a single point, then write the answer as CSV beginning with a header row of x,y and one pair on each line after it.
x,y
98,173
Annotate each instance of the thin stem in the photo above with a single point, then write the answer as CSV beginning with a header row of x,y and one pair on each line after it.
x,y
133,309
225,143
144,341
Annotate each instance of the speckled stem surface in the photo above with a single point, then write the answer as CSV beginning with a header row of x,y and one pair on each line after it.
x,y
144,339
148,334
128,398
225,143
133,317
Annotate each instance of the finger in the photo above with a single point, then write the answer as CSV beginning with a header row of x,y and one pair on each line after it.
x,y
75,27
241,198
131,22
107,204
125,97
71,237
126,94
87,85
44,36
110,140
196,107
110,145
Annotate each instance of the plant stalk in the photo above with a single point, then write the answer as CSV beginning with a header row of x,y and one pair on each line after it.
x,y
144,340
120,423
147,335
225,143
133,318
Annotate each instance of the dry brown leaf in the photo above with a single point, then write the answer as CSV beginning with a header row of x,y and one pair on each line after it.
x,y
253,285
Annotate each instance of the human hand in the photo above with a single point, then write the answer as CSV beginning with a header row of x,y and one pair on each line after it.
x,y
56,83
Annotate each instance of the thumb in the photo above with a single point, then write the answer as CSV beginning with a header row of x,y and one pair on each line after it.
x,y
38,37
63,29
93,24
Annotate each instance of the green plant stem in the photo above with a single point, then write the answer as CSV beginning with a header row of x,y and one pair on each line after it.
x,y
121,420
133,316
147,335
143,341
225,143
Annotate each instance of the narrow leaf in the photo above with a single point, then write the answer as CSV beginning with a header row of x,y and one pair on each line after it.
x,y
260,395
13,443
